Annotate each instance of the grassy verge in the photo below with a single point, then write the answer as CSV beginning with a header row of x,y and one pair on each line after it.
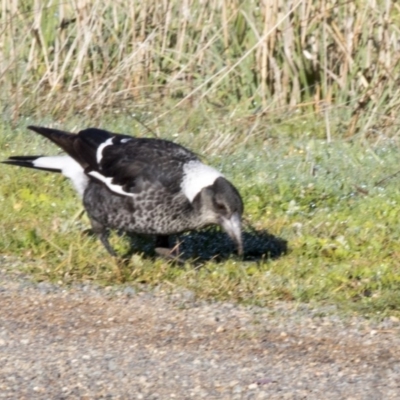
x,y
329,201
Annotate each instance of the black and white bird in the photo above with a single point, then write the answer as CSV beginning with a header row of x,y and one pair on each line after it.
x,y
139,185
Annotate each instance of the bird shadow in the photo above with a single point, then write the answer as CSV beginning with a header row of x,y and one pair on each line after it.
x,y
213,244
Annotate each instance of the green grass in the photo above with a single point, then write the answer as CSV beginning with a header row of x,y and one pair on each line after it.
x,y
342,227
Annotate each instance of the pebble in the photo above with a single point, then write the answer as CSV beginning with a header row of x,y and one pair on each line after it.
x,y
252,386
116,343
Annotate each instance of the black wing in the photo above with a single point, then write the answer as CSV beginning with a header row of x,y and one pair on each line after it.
x,y
123,163
133,164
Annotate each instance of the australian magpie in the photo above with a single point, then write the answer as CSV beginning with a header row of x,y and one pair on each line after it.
x,y
140,185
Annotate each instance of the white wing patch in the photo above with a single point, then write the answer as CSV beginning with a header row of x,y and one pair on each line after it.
x,y
68,167
125,140
99,152
196,177
107,181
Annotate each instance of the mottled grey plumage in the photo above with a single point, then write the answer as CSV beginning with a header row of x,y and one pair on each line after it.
x,y
145,186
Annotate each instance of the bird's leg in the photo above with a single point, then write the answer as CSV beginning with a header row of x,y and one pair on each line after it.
x,y
162,241
162,246
102,233
104,239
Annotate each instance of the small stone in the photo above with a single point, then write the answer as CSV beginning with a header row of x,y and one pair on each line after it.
x,y
252,386
129,291
237,389
189,296
112,366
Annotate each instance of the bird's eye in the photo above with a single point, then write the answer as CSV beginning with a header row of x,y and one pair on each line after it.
x,y
220,207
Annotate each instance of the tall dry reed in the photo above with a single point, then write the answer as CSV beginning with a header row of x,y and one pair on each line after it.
x,y
266,57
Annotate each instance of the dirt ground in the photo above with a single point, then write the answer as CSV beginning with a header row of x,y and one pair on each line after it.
x,y
118,343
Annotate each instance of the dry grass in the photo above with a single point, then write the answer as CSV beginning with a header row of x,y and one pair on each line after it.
x,y
333,57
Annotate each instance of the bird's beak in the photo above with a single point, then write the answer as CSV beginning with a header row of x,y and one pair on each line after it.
x,y
233,227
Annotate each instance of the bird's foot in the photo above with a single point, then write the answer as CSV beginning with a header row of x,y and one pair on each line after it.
x,y
170,254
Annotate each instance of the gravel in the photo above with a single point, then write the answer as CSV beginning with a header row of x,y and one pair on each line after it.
x,y
86,342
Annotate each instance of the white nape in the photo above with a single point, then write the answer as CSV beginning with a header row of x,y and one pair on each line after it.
x,y
107,181
68,167
197,176
99,153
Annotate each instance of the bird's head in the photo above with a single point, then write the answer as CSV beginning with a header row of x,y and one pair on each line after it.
x,y
221,204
